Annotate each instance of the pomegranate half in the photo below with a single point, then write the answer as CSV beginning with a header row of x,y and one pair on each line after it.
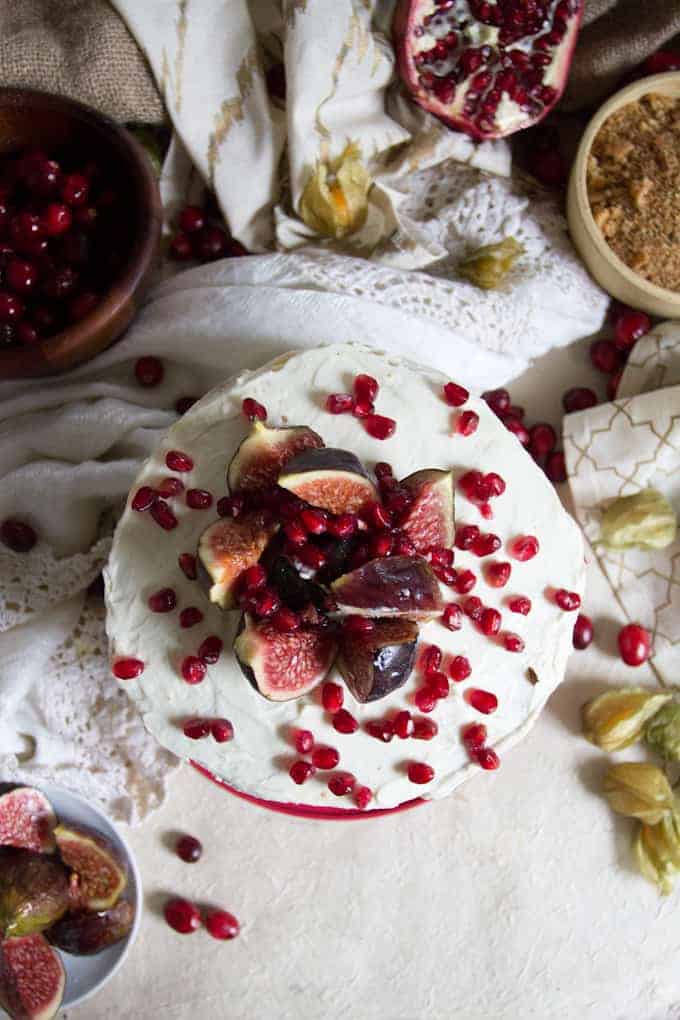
x,y
488,69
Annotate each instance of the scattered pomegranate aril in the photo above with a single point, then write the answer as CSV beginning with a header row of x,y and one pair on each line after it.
x,y
362,408
304,741
629,326
481,701
439,684
524,548
196,728
253,411
455,395
341,783
343,526
301,771
193,669
17,535
182,915
199,499
474,736
11,308
498,574
332,697
189,849
180,248
556,468
221,730
170,487
314,521
424,729
425,699
381,729
420,773
520,604
191,219
452,616
190,616
518,429
163,515
487,758
605,356
579,398
583,632
466,535
211,243
344,722
486,545
473,608
127,669
162,601
325,758
210,649
285,620
467,423
253,578
221,925
339,403
459,668
431,659
403,725
498,400
366,388
149,371
75,189
490,622
362,797
567,600
312,556
542,439
178,461
379,426
187,564
21,275
513,642
635,644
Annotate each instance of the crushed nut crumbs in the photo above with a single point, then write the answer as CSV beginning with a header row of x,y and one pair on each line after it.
x,y
633,181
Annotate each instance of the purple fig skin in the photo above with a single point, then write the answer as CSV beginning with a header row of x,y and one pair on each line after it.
x,y
283,666
264,452
32,978
34,892
391,586
330,479
380,661
86,933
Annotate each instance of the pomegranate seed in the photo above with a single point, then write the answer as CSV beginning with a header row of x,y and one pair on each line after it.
x,y
520,604
365,388
466,536
188,849
187,564
403,546
440,556
362,797
149,371
230,506
357,624
253,578
420,773
425,699
474,736
75,189
191,219
210,649
170,487
542,439
583,632
162,601
424,729
439,684
178,461
486,545
304,741
315,521
402,724
312,556
344,722
465,582
199,499
635,644
455,395
221,924
180,248
222,730
518,429
514,411
343,526
362,408
57,219
26,333
605,356
447,575
578,399
494,483
498,400
487,758
339,403
127,669
381,729
17,535
163,515
467,423
325,758
567,600
482,701
498,574
193,669
383,470
196,728
285,620
459,668
190,616
513,642
341,783
377,516
301,771
473,608
612,383
253,411
452,617
182,915
184,403
490,622
265,602
332,697
431,660
143,499
555,468
629,327
295,533
21,275
524,548
379,427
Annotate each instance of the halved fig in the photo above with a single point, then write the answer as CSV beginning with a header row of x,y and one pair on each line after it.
x,y
230,546
429,521
334,480
283,666
32,978
34,892
84,933
263,453
27,820
374,663
390,586
101,876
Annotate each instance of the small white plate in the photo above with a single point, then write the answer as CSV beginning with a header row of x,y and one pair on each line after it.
x,y
86,975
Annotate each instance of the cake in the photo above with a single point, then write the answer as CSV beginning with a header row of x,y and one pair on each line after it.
x,y
427,648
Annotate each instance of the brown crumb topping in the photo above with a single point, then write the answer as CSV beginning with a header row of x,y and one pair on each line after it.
x,y
633,180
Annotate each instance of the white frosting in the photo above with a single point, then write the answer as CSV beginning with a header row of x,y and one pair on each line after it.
x,y
144,558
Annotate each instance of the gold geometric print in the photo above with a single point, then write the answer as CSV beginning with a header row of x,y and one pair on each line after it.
x,y
232,110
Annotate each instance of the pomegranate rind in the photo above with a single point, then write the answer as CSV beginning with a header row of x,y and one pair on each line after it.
x,y
283,666
264,453
430,521
380,661
331,479
101,876
391,586
408,18
32,978
27,820
227,548
34,892
85,933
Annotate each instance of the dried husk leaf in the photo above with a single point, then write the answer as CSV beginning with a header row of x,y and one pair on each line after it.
x,y
656,849
638,790
617,718
334,202
662,734
645,520
488,266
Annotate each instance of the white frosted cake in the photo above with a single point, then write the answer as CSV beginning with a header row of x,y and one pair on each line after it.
x,y
371,596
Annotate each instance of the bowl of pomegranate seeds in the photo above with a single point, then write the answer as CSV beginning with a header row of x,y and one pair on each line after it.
x,y
79,226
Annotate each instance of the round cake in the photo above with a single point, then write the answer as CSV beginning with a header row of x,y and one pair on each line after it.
x,y
295,604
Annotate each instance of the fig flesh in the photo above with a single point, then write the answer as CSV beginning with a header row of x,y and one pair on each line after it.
x,y
84,933
32,978
27,820
333,480
429,521
227,548
391,586
283,666
34,892
264,452
376,662
101,876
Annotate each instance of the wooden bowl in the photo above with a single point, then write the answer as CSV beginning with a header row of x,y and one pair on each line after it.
x,y
39,119
608,269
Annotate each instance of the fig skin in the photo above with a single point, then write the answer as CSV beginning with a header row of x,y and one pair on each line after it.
x,y
100,875
85,933
264,453
32,978
34,892
309,650
330,479
27,820
392,586
378,662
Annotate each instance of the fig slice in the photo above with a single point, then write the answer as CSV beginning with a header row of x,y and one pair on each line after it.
x,y
334,480
84,933
32,978
263,453
27,820
228,547
34,892
374,663
390,586
283,666
429,520
100,875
